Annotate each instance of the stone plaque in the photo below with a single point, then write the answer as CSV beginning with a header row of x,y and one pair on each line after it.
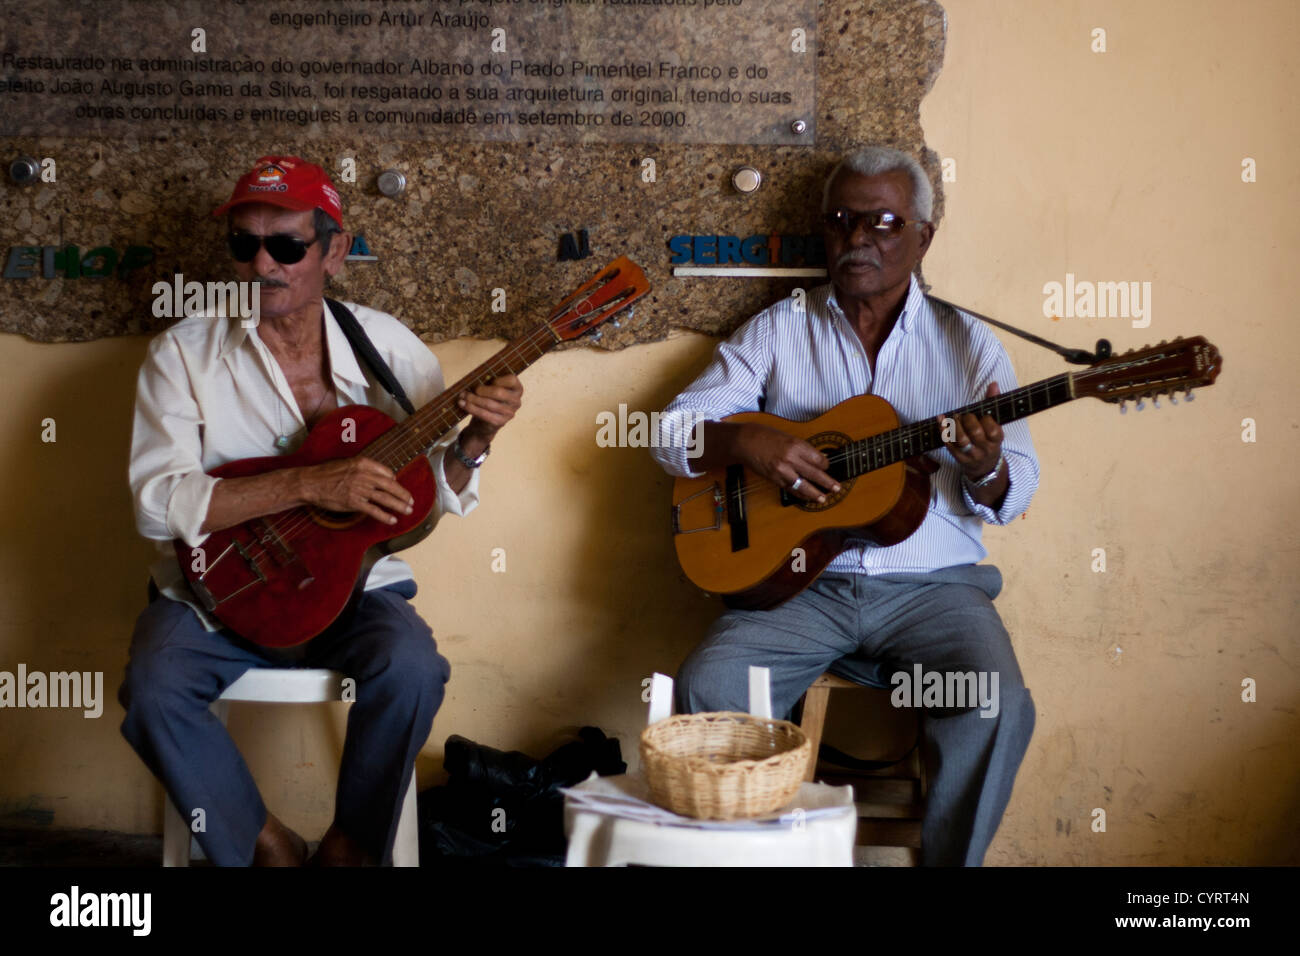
x,y
575,71
106,218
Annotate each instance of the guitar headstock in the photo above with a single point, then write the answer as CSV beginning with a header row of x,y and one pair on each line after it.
x,y
1180,365
613,289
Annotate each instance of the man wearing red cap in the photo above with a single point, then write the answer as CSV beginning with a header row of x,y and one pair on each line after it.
x,y
213,390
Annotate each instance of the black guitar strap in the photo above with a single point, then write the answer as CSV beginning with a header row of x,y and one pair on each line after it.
x,y
364,348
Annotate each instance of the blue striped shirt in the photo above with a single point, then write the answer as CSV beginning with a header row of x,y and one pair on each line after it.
x,y
798,364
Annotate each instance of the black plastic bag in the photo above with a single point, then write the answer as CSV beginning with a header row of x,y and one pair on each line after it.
x,y
505,808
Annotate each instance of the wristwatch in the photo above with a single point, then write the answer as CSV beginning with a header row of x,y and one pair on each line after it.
x,y
465,460
991,477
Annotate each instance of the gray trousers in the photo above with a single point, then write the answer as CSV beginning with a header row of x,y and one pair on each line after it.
x,y
867,628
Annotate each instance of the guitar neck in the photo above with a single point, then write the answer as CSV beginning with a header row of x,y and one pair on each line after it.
x,y
611,291
405,442
891,447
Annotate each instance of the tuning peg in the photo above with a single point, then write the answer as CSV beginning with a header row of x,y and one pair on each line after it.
x,y
1189,397
1156,401
1123,406
1173,399
595,336
615,323
1141,404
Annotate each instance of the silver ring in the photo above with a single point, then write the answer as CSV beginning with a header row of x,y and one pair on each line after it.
x,y
797,483
967,448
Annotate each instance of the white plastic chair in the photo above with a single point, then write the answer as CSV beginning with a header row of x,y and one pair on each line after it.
x,y
286,686
604,839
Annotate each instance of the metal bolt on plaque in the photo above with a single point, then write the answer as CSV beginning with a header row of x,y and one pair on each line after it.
x,y
798,127
392,183
24,170
746,179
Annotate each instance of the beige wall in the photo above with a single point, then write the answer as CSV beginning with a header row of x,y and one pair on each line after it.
x,y
1115,166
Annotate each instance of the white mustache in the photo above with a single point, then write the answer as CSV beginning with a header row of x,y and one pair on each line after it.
x,y
859,255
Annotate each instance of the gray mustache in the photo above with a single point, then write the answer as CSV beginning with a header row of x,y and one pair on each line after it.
x,y
272,283
859,255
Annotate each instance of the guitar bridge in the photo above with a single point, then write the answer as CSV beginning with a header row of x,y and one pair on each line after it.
x,y
719,509
201,589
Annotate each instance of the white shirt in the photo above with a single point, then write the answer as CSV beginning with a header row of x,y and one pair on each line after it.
x,y
800,363
210,392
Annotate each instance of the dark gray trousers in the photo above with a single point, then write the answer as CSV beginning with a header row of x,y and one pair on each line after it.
x,y
177,668
867,628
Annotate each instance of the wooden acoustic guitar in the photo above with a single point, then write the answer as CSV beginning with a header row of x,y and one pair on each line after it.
x,y
736,532
281,579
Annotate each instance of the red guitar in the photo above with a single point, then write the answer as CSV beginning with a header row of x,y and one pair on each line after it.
x,y
281,579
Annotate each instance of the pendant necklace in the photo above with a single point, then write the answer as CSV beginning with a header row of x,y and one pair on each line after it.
x,y
282,441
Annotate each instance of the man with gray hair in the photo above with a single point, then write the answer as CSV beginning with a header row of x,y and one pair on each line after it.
x,y
876,611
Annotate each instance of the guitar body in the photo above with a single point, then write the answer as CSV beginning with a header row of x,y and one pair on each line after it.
x,y
744,549
277,588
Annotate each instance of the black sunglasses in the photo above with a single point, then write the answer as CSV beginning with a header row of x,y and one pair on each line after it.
x,y
283,249
880,221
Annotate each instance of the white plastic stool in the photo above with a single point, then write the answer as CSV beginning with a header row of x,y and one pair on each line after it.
x,y
286,686
598,838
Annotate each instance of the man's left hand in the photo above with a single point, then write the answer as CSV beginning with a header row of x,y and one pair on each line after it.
x,y
977,442
491,406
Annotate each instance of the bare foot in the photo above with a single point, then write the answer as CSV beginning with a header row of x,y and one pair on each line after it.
x,y
277,845
338,849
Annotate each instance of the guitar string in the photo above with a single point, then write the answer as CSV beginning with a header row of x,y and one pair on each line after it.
x,y
616,299
292,526
404,444
299,522
864,448
400,440
895,447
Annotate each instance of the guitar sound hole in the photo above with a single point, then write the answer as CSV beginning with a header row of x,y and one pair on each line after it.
x,y
838,470
336,519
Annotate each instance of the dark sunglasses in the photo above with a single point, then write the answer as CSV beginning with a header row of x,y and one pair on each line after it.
x,y
283,249
882,222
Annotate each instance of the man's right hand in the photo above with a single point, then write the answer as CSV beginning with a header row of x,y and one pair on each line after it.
x,y
355,484
780,458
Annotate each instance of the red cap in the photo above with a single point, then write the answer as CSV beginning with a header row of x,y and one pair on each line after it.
x,y
289,182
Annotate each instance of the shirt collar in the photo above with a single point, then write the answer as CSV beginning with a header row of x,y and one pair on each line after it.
x,y
913,303
343,362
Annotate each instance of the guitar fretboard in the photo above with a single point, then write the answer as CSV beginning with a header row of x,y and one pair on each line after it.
x,y
888,448
402,444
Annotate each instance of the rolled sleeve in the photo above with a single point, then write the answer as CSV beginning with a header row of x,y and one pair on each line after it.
x,y
449,502
734,382
1022,477
170,490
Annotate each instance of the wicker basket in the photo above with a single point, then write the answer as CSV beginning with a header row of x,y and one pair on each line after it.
x,y
723,766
